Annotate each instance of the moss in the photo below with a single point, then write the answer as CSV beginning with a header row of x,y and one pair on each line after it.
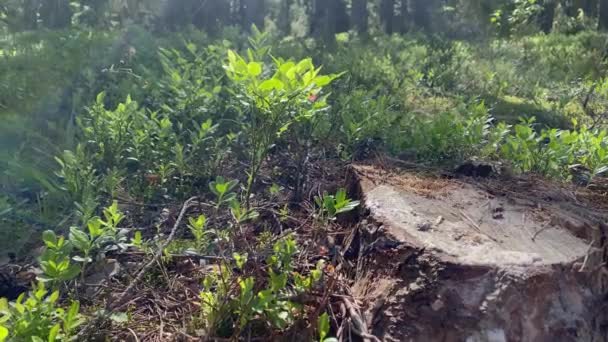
x,y
511,108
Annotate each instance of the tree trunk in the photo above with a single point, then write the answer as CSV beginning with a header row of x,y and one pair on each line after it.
x,y
211,15
545,18
56,14
30,14
603,15
252,13
360,16
387,15
421,14
589,7
284,20
404,16
338,18
327,18
318,14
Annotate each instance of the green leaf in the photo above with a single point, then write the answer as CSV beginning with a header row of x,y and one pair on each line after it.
x,y
79,239
278,281
322,81
271,84
137,239
54,332
53,297
94,226
3,333
50,238
100,97
120,317
254,69
240,260
71,319
323,326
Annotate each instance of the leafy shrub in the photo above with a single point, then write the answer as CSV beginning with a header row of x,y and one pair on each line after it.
x,y
552,152
38,317
225,307
274,99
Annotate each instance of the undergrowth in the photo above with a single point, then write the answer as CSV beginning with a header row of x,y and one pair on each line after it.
x,y
211,118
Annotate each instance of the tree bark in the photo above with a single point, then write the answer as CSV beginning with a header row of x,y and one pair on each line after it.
x,y
360,16
56,14
590,7
404,16
252,13
603,15
327,18
284,20
387,15
30,14
545,18
421,14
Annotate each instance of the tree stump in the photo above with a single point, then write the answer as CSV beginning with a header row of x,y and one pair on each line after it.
x,y
480,259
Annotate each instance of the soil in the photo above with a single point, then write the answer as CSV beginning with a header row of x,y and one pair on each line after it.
x,y
432,256
480,259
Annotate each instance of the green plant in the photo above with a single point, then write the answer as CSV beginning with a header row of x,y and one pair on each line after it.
x,y
80,181
55,261
552,152
38,317
103,236
197,228
332,205
223,190
273,100
270,303
323,328
241,214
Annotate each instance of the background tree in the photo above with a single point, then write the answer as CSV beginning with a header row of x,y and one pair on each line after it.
x,y
603,15
360,16
421,13
284,19
252,13
387,15
56,14
547,15
328,17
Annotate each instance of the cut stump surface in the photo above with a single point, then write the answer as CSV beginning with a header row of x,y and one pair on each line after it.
x,y
481,259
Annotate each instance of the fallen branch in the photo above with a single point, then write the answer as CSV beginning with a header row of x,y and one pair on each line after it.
x,y
359,326
476,226
112,305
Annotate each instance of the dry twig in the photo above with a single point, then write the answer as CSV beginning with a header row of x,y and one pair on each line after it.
x,y
112,305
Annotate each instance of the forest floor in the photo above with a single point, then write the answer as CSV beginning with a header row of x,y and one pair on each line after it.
x,y
435,254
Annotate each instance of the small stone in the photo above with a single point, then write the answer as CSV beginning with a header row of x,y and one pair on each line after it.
x,y
424,226
437,305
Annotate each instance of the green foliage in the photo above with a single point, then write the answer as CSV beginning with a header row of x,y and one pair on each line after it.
x,y
197,228
223,190
103,236
323,328
55,262
552,152
82,246
273,99
332,205
200,107
254,300
38,317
